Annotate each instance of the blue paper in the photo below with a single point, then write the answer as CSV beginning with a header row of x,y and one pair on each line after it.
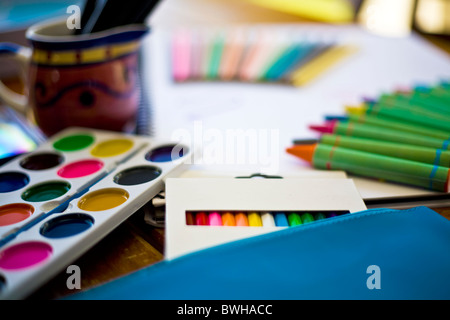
x,y
374,254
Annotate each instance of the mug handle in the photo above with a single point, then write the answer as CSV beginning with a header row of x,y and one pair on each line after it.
x,y
22,55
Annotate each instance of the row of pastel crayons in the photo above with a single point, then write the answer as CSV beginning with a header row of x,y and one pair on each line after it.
x,y
402,137
256,218
252,55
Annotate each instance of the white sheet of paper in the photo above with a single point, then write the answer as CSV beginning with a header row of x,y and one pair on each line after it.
x,y
214,115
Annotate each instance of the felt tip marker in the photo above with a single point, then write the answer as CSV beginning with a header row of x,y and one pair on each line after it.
x,y
367,164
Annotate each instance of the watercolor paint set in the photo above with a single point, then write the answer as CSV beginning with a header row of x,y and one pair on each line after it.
x,y
58,201
201,213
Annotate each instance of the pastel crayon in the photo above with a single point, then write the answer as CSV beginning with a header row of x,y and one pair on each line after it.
x,y
197,56
228,219
181,56
201,219
190,221
294,219
267,219
386,134
367,164
232,55
322,62
252,57
281,220
319,216
307,217
216,56
215,219
254,219
241,219
287,60
404,151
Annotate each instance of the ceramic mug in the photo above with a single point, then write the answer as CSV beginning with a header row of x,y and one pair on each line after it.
x,y
88,80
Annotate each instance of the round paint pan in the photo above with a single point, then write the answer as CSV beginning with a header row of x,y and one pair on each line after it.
x,y
42,161
80,168
46,191
167,153
74,142
103,199
137,175
66,225
24,255
111,147
14,213
2,283
12,181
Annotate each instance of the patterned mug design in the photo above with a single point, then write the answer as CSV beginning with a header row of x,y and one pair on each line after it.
x,y
84,80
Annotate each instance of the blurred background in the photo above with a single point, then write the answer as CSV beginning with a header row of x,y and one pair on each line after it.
x,y
387,18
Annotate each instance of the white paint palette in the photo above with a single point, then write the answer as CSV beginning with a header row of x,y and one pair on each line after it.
x,y
58,201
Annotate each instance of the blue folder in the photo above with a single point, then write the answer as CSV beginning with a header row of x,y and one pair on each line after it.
x,y
373,254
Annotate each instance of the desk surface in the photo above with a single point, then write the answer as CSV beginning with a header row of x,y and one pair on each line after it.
x,y
134,244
